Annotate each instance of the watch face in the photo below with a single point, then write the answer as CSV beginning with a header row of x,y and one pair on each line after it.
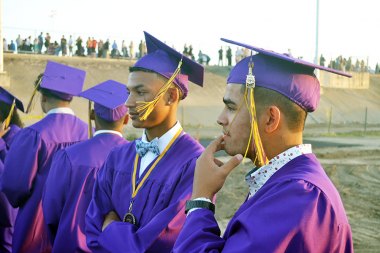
x,y
190,204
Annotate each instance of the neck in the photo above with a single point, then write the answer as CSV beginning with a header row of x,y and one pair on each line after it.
x,y
50,106
274,147
161,129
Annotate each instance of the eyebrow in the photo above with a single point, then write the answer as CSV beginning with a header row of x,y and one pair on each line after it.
x,y
228,101
139,86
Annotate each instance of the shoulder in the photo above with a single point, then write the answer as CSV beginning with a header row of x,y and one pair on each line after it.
x,y
188,146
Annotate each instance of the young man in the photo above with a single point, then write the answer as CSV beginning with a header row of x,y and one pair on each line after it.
x,y
73,171
28,161
292,205
10,125
140,192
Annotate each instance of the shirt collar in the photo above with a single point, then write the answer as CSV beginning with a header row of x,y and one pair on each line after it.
x,y
64,110
164,140
108,132
258,177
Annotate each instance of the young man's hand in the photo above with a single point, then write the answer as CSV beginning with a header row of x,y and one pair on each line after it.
x,y
210,173
110,217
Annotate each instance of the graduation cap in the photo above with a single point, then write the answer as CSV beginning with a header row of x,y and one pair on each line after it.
x,y
291,77
109,99
60,80
294,78
170,64
11,100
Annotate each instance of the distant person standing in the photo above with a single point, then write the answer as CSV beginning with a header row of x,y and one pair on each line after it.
x,y
114,51
71,43
322,60
100,48
131,50
229,56
124,49
88,46
140,49
64,45
5,45
12,46
106,47
191,55
18,43
220,61
40,42
93,47
35,45
47,41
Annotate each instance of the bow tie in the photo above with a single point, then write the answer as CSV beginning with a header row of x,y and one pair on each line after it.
x,y
143,147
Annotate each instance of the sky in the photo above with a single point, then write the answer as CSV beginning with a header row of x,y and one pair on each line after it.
x,y
346,27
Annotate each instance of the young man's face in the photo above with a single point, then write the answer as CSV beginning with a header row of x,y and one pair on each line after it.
x,y
144,86
235,122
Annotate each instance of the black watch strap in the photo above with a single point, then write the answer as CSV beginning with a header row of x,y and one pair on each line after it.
x,y
190,204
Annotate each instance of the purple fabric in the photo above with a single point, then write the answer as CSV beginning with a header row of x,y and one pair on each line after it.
x,y
7,98
287,57
110,114
164,60
297,210
158,207
24,179
109,97
62,80
7,212
295,82
69,187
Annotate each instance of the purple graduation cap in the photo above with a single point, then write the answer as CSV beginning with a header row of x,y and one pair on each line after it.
x,y
291,77
8,98
164,60
62,80
109,98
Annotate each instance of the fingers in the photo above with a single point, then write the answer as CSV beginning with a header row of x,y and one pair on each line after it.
x,y
231,164
215,145
218,162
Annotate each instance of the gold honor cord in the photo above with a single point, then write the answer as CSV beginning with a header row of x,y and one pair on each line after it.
x,y
145,108
7,120
90,134
30,103
129,217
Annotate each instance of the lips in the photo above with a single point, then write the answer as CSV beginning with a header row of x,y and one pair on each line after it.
x,y
134,115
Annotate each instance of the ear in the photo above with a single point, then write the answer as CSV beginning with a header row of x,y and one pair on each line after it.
x,y
173,95
272,118
126,119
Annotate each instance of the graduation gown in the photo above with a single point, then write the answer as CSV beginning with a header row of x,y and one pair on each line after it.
x,y
25,171
158,206
7,212
69,188
297,210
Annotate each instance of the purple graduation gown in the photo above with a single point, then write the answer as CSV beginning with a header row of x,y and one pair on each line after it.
x,y
7,212
158,206
25,171
297,210
69,188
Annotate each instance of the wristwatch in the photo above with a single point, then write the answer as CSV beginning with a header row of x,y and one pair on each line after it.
x,y
190,204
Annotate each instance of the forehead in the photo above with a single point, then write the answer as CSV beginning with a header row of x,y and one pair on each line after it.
x,y
143,79
234,92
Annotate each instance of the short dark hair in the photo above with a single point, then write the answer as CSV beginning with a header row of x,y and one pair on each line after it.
x,y
108,124
46,92
295,114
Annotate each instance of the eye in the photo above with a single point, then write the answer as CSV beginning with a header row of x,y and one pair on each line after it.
x,y
231,109
140,93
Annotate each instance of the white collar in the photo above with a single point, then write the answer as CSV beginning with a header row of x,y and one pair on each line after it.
x,y
259,177
164,140
108,132
64,110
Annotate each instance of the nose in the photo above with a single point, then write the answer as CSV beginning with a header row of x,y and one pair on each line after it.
x,y
131,102
221,120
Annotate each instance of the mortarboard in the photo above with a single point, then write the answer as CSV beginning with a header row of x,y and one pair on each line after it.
x,y
109,99
60,80
294,78
8,98
170,64
291,77
11,100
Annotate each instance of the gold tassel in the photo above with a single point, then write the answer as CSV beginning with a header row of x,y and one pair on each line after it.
x,y
90,134
261,158
30,103
145,108
7,120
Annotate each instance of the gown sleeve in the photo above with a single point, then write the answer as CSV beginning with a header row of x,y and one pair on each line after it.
x,y
292,215
21,165
56,188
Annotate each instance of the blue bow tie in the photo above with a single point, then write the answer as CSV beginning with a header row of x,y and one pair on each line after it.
x,y
143,147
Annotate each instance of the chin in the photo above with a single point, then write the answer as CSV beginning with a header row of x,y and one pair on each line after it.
x,y
137,124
